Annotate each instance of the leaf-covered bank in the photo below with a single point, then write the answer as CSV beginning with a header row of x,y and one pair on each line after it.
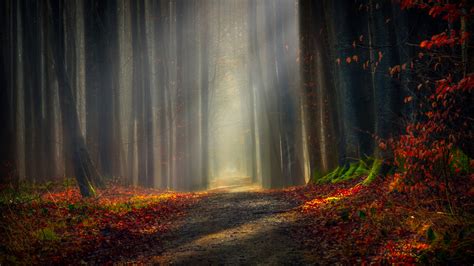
x,y
58,226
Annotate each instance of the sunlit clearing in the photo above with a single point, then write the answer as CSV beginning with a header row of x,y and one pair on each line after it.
x,y
240,100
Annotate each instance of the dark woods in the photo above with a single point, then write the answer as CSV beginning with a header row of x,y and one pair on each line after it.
x,y
133,89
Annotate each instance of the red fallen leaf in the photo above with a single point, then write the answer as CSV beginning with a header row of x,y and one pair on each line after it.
x,y
348,60
424,44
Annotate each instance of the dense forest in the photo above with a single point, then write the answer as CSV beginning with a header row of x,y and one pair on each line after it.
x,y
122,116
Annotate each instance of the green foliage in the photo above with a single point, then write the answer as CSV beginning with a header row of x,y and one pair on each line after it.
x,y
344,214
369,167
460,161
69,182
46,234
27,191
430,234
71,207
361,214
23,194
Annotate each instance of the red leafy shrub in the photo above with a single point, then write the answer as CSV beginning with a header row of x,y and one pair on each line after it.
x,y
430,154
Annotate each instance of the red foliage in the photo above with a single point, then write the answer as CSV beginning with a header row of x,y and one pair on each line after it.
x,y
354,224
440,8
119,222
445,39
425,153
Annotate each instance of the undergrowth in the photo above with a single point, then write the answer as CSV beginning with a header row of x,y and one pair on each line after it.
x,y
52,223
358,216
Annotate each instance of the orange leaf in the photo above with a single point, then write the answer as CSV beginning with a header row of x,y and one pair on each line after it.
x,y
424,44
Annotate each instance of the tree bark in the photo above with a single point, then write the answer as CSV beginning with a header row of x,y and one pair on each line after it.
x,y
85,172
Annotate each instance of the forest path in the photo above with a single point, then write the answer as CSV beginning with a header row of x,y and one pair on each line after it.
x,y
229,227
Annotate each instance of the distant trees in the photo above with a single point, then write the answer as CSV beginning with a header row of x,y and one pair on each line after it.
x,y
276,122
141,83
129,89
102,103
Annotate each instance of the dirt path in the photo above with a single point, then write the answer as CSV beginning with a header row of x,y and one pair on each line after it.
x,y
234,228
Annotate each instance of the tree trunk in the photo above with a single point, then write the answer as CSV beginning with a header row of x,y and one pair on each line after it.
x,y
8,17
85,172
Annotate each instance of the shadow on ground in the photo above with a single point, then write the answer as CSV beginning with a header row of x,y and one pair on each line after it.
x,y
232,228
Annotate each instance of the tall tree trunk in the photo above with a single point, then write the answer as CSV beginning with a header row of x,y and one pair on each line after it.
x,y
8,17
31,24
84,170
93,28
49,127
161,27
143,116
182,90
103,130
204,96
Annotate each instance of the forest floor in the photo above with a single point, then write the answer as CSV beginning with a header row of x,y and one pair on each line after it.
x,y
343,223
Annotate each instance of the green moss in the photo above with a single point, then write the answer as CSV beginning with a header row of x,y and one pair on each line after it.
x,y
348,174
46,234
362,169
368,166
334,174
374,172
355,170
